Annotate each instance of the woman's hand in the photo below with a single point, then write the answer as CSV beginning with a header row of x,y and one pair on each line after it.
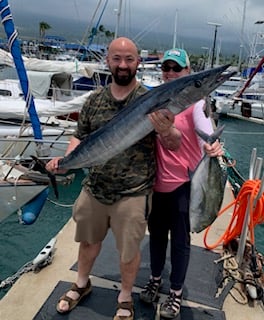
x,y
214,150
162,121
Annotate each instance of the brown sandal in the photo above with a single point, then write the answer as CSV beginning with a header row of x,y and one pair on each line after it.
x,y
128,305
73,303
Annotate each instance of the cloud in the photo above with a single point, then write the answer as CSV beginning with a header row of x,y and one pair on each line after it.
x,y
157,16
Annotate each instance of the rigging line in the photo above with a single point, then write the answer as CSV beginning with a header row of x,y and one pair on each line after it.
x,y
246,38
127,18
97,25
60,204
76,8
244,133
147,29
89,27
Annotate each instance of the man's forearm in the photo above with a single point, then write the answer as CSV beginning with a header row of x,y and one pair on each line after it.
x,y
72,145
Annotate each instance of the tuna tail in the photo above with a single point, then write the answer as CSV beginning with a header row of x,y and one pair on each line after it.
x,y
49,174
210,138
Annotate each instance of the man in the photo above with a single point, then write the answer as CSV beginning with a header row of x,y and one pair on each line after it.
x,y
171,197
118,194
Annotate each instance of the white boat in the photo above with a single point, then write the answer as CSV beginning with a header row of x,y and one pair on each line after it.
x,y
15,191
245,108
85,75
246,102
54,98
15,125
21,127
34,64
19,185
53,95
229,87
232,86
150,79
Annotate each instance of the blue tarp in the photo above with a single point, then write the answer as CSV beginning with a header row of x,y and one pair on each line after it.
x,y
93,47
54,38
247,72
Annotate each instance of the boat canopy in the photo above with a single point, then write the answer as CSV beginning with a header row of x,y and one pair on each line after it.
x,y
34,64
43,83
73,67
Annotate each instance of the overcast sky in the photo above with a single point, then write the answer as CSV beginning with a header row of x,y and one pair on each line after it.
x,y
192,15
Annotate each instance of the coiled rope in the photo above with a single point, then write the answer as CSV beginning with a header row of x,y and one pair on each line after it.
x,y
245,200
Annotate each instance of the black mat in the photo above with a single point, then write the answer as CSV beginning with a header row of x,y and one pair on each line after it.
x,y
191,313
202,280
100,305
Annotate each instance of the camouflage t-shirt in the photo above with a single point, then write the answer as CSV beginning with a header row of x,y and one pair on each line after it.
x,y
131,172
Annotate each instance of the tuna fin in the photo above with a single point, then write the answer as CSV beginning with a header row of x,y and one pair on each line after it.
x,y
210,138
207,106
49,174
190,173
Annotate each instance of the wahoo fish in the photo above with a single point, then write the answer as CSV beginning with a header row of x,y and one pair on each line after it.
x,y
132,123
207,187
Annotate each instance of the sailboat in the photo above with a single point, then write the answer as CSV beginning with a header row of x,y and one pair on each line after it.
x,y
246,102
16,185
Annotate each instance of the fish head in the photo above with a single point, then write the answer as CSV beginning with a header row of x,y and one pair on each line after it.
x,y
180,93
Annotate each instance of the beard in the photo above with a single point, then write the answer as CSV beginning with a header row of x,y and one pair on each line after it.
x,y
123,80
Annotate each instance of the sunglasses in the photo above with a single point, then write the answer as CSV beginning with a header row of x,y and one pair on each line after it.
x,y
176,68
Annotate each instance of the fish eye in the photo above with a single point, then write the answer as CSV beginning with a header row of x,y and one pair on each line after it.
x,y
197,84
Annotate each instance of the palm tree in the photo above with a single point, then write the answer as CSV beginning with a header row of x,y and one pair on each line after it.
x,y
101,28
43,26
109,35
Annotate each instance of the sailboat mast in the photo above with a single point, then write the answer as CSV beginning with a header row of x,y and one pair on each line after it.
x,y
14,47
175,29
242,35
118,18
94,30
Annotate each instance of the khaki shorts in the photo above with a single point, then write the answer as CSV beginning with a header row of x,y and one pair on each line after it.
x,y
126,218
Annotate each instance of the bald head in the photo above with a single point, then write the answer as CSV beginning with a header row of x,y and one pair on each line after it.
x,y
123,60
123,43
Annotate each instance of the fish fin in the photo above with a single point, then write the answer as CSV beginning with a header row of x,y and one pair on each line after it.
x,y
190,173
207,106
49,174
210,138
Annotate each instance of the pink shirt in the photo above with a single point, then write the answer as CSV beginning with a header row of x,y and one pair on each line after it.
x,y
173,166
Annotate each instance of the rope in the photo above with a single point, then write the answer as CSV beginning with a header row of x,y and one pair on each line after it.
x,y
245,200
232,279
60,204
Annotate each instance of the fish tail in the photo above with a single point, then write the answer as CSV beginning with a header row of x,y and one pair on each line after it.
x,y
49,174
210,138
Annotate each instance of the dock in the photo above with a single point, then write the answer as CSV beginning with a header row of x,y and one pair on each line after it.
x,y
34,295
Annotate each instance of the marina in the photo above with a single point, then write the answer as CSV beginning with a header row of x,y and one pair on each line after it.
x,y
225,278
55,221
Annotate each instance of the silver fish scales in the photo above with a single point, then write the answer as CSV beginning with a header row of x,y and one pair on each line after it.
x,y
207,188
132,123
